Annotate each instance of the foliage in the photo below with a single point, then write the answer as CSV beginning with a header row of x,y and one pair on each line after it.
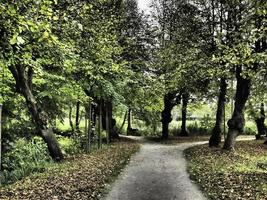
x,y
207,122
70,146
237,175
25,158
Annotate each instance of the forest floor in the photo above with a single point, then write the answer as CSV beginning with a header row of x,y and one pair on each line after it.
x,y
83,176
241,174
156,172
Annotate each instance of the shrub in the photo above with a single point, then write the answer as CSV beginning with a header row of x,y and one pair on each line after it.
x,y
69,145
207,123
26,157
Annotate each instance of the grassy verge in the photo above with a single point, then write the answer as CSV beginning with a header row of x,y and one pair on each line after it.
x,y
177,139
82,176
230,175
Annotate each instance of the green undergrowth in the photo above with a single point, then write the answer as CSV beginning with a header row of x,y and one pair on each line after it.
x,y
26,157
241,174
29,156
82,176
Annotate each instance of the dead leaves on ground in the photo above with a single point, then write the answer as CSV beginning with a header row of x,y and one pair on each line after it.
x,y
81,177
230,175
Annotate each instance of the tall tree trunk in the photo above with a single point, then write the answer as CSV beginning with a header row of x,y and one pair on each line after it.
x,y
0,140
88,117
106,119
70,120
185,99
77,121
237,122
124,120
129,127
109,121
100,125
260,123
107,126
216,136
171,99
24,84
166,117
113,131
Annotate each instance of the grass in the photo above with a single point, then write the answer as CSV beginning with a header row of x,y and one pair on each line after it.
x,y
83,176
173,140
241,174
65,125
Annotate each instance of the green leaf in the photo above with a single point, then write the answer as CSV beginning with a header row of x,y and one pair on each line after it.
x,y
20,40
14,39
45,35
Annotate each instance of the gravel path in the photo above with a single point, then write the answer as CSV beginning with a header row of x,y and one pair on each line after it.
x,y
157,172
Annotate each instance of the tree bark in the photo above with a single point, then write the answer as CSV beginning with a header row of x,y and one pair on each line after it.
x,y
88,117
113,132
216,136
70,120
40,118
260,123
109,121
129,127
0,140
77,121
185,99
237,122
170,100
99,126
107,126
106,120
166,117
124,120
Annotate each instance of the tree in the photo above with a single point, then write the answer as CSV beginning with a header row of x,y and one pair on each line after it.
x,y
0,137
185,99
248,57
181,58
170,100
136,39
215,138
22,42
260,123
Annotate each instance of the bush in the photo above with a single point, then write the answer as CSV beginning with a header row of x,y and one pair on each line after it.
x,y
249,131
194,128
25,158
69,145
207,123
250,128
